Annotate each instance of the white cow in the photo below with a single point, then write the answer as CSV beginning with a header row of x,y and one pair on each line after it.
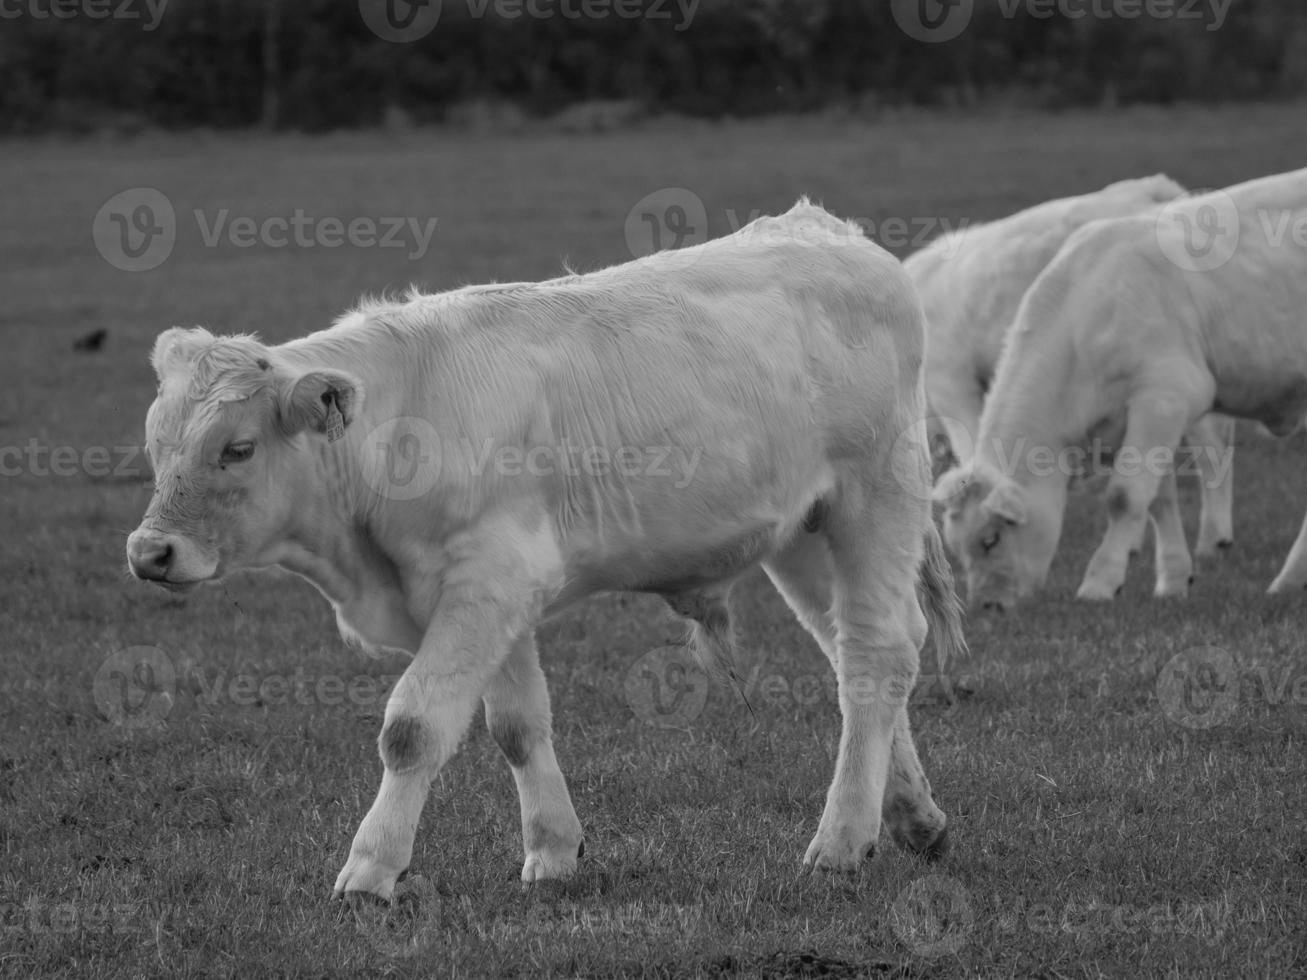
x,y
660,426
1139,327
972,281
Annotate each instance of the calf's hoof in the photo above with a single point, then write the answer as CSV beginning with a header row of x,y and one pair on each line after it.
x,y
1097,591
364,876
838,851
1282,585
541,865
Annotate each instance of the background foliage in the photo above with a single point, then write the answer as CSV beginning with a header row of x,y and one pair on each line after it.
x,y
314,64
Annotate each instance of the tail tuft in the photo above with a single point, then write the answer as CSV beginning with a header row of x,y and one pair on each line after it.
x,y
940,602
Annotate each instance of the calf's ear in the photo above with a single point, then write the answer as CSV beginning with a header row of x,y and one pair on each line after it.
x,y
322,401
955,487
1008,501
177,344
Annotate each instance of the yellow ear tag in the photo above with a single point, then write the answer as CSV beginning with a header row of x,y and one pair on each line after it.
x,y
335,422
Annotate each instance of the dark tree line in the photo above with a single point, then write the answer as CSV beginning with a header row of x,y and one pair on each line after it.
x,y
315,64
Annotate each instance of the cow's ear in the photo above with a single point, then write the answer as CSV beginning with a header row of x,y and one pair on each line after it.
x,y
177,345
955,487
1008,501
321,401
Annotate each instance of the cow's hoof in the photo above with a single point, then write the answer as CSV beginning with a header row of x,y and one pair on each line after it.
x,y
1282,585
1097,592
542,866
362,876
837,852
1173,590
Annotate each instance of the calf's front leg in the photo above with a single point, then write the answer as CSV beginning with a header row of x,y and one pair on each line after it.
x,y
1294,573
517,714
484,603
1155,420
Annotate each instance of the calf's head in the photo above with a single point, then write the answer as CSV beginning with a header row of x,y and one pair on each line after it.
x,y
230,436
1003,533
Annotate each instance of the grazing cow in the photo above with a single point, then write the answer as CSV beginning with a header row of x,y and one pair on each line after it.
x,y
543,421
971,283
1138,327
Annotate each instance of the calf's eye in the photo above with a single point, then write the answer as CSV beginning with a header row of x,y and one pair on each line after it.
x,y
237,452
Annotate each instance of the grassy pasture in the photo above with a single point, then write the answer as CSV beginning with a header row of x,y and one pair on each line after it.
x,y
1093,836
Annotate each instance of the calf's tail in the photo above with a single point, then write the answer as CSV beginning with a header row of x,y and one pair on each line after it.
x,y
940,602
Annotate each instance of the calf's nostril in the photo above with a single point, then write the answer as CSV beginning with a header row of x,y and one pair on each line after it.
x,y
163,558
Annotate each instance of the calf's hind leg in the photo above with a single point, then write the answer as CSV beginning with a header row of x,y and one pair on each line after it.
x,y
802,574
872,549
517,715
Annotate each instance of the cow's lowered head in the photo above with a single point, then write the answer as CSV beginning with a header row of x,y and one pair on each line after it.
x,y
1005,534
226,437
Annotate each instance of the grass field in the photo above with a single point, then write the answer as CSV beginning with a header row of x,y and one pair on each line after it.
x,y
1093,835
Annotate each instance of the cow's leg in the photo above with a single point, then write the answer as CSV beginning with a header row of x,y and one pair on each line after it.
x,y
1141,539
1155,419
802,574
1212,440
517,714
1174,565
1294,573
485,599
875,546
